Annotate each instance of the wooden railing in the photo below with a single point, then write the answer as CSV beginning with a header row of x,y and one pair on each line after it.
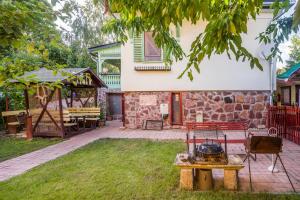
x,y
111,80
287,120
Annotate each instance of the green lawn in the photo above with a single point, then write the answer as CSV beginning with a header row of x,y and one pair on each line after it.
x,y
12,147
114,169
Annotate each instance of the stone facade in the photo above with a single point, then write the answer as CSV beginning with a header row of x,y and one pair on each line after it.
x,y
227,106
135,113
216,106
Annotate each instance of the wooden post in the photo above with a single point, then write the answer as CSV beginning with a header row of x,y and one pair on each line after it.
x,y
269,117
29,134
285,119
204,179
123,108
186,179
6,103
231,179
170,109
26,101
71,96
29,128
61,113
96,97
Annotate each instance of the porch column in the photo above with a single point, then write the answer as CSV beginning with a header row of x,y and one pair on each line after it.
x,y
99,67
96,97
6,103
61,115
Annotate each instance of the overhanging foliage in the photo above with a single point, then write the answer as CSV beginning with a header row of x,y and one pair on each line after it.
x,y
226,22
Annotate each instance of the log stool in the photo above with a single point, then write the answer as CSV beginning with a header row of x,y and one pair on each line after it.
x,y
231,179
204,179
186,179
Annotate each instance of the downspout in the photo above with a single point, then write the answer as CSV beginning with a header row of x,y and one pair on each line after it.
x,y
272,78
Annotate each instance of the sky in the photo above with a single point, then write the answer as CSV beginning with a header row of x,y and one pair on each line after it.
x,y
284,47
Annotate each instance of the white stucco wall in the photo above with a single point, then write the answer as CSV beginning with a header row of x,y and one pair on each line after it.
x,y
218,73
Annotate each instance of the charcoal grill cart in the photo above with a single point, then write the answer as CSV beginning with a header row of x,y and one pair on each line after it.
x,y
206,152
202,179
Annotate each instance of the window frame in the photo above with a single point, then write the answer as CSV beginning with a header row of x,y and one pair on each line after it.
x,y
144,51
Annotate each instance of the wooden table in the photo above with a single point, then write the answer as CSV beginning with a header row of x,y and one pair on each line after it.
x,y
231,169
11,120
84,117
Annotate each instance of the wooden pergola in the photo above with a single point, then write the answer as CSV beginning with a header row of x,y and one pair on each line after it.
x,y
49,106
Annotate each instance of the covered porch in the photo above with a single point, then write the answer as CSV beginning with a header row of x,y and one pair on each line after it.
x,y
108,59
288,87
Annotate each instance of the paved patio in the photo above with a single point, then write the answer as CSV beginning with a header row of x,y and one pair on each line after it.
x,y
263,180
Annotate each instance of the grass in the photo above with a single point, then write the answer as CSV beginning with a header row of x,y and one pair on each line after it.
x,y
114,169
12,147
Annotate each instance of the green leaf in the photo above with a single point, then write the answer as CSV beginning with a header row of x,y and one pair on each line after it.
x,y
190,75
232,28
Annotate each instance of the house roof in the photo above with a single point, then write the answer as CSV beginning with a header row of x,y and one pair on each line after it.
x,y
103,46
290,72
47,75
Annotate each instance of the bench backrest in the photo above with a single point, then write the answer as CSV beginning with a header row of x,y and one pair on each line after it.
x,y
201,126
84,110
236,126
55,114
94,111
12,113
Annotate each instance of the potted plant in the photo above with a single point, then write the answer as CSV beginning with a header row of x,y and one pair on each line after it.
x,y
101,120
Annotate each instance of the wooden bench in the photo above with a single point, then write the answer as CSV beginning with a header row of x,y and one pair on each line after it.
x,y
11,120
233,126
190,173
216,127
86,114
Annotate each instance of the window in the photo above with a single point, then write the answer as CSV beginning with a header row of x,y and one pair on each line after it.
x,y
286,95
151,51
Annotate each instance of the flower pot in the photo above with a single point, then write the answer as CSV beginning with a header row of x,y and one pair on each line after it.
x,y
101,123
109,118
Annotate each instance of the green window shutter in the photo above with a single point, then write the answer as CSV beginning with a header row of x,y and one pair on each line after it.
x,y
138,47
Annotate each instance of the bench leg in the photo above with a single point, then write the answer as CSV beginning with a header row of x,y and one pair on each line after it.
x,y
186,179
231,179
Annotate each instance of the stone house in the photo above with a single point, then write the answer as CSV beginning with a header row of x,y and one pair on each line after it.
x,y
225,89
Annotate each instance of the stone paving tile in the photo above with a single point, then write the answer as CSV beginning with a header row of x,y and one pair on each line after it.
x,y
263,180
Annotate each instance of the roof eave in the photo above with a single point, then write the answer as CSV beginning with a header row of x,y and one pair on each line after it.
x,y
103,46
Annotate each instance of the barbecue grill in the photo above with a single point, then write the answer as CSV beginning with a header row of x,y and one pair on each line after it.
x,y
207,147
209,152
